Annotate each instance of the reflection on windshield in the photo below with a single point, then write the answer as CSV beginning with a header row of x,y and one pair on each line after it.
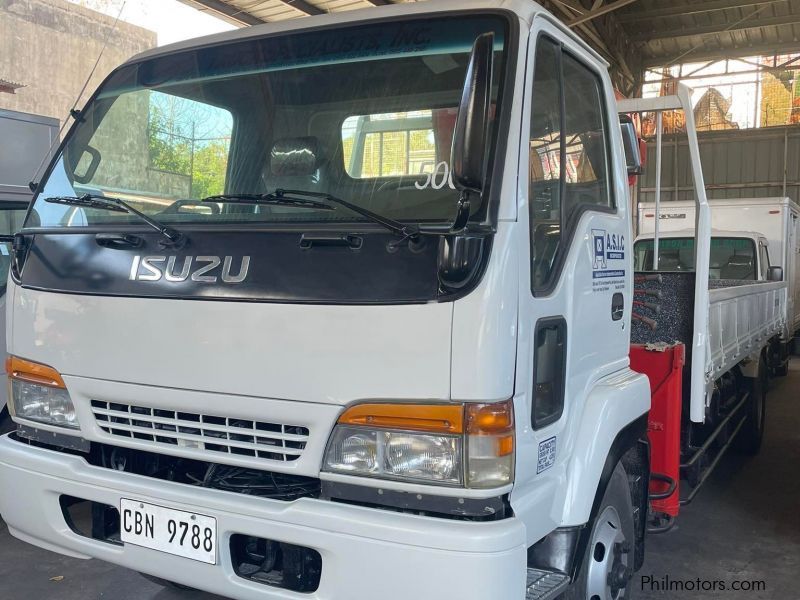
x,y
365,113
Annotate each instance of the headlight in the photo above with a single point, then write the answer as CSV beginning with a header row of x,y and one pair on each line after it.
x,y
37,393
395,455
470,445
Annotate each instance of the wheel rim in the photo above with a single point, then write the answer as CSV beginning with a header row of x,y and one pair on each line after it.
x,y
609,573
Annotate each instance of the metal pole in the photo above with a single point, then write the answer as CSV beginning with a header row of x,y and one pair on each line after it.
x,y
702,227
659,127
785,157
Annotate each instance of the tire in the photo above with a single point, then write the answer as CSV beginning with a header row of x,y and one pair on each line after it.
x,y
6,424
783,370
611,546
749,438
166,583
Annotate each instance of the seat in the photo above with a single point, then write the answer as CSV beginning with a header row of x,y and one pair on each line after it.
x,y
294,163
669,261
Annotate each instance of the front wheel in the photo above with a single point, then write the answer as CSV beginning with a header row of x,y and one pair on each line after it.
x,y
6,424
607,565
751,435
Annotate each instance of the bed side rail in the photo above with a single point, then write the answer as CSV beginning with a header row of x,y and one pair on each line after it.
x,y
741,320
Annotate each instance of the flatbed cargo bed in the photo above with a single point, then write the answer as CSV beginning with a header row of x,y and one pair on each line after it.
x,y
742,317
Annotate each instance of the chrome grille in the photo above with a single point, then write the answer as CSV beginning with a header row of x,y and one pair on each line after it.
x,y
227,435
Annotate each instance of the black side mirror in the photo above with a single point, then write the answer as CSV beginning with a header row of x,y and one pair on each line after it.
x,y
472,124
630,142
775,274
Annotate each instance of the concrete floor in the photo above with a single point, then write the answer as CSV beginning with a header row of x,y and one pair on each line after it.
x,y
744,526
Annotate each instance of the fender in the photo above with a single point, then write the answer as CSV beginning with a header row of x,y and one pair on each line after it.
x,y
611,407
563,549
612,425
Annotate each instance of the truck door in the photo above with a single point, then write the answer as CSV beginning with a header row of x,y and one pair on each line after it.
x,y
575,235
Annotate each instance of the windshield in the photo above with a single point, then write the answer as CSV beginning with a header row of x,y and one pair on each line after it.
x,y
731,258
364,113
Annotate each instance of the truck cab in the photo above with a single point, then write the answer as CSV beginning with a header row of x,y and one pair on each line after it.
x,y
316,306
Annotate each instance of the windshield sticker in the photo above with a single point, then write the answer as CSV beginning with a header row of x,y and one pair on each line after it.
x,y
293,50
547,455
608,260
441,176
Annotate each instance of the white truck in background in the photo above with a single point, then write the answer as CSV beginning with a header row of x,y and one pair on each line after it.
x,y
750,237
25,143
336,377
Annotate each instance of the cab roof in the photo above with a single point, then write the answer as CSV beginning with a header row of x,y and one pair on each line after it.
x,y
526,10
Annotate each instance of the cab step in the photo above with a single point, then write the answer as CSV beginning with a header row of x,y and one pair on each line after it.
x,y
545,585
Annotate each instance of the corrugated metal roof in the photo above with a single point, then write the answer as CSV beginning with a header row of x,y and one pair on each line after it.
x,y
686,31
253,12
661,31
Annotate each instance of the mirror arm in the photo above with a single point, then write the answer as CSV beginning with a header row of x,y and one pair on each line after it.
x,y
462,213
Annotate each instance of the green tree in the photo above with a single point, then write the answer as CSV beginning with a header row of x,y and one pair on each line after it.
x,y
209,168
169,151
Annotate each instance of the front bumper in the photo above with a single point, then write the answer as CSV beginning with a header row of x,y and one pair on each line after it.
x,y
366,553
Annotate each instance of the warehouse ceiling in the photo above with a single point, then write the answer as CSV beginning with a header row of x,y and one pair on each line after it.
x,y
630,34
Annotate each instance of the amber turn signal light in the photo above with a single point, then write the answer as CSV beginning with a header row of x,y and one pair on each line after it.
x,y
32,372
490,419
434,418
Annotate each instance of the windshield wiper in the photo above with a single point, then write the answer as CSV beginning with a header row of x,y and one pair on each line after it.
x,y
268,199
118,205
406,232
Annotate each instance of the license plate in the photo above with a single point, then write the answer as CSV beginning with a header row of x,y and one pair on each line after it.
x,y
168,530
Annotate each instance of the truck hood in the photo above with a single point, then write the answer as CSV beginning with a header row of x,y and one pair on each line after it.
x,y
315,353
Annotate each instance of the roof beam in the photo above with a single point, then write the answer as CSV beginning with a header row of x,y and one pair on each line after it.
x,y
599,12
661,34
701,54
689,9
608,45
225,11
304,7
245,16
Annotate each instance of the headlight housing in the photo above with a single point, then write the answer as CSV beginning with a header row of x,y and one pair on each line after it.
x,y
466,445
37,392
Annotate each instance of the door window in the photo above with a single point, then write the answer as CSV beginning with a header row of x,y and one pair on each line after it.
x,y
764,261
569,156
550,364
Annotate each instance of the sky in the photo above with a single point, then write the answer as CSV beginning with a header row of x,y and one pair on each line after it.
x,y
172,20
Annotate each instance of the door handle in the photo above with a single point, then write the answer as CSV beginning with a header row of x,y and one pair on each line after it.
x,y
617,306
118,241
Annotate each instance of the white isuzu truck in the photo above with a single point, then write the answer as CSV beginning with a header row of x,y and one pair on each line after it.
x,y
341,308
749,237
